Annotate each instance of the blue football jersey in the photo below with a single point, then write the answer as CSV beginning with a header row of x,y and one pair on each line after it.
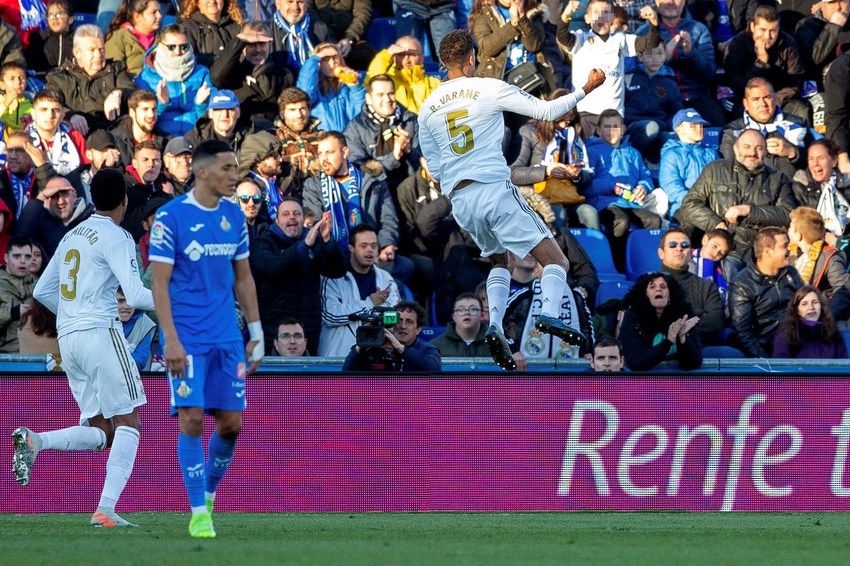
x,y
201,244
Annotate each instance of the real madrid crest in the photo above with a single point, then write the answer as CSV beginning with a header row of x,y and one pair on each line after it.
x,y
225,225
535,344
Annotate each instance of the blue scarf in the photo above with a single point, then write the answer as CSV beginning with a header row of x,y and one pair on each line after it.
x,y
566,147
21,187
791,131
342,199
271,192
298,44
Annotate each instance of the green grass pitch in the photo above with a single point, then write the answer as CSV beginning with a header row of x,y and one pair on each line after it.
x,y
247,539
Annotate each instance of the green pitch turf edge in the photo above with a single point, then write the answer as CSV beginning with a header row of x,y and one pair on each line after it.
x,y
247,539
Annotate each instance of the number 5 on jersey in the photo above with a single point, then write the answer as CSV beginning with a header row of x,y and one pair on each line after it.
x,y
68,289
465,140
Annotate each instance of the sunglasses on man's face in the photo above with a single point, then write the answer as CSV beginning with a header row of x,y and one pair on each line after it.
x,y
247,198
683,245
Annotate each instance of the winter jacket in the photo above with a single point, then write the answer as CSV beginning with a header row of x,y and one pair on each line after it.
x,y
287,275
122,46
13,292
421,356
807,191
694,71
813,346
612,165
85,95
725,183
819,43
643,354
527,169
346,19
757,305
681,165
209,38
375,201
830,271
362,137
836,99
334,109
204,131
11,49
704,298
733,129
48,50
181,113
319,32
451,345
340,298
37,223
784,68
412,86
654,97
123,134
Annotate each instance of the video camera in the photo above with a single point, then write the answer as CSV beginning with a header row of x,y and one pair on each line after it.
x,y
370,334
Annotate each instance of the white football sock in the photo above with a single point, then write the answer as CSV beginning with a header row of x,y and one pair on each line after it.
x,y
553,283
498,289
73,438
119,465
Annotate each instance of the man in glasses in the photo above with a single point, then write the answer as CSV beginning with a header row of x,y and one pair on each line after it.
x,y
181,85
287,261
291,340
464,335
177,159
260,159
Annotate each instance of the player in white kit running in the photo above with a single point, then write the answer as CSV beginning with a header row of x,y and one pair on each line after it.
x,y
461,127
79,285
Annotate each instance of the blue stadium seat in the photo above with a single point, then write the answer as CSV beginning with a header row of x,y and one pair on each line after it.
x,y
612,290
599,252
81,18
382,33
430,332
642,252
712,137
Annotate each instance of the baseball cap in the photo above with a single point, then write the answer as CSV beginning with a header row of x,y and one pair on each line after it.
x,y
223,100
688,115
101,140
178,145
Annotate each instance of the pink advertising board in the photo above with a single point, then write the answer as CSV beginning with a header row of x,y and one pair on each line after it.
x,y
478,443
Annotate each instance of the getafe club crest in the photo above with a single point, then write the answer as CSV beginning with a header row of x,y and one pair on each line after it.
x,y
225,225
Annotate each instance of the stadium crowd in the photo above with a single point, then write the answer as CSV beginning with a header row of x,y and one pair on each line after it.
x,y
724,127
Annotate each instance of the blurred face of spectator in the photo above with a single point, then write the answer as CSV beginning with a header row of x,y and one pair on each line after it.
x,y
90,56
58,20
606,359
18,160
37,259
257,53
750,149
250,199
364,252
408,327
293,11
329,60
296,116
290,340
47,115
148,20
179,165
381,97
690,133
809,308
14,82
125,311
18,260
148,164
333,157
653,59
714,249
765,31
821,163
670,9
61,202
224,120
412,55
675,251
467,315
290,219
211,9
269,166
611,130
760,103
658,294
144,115
599,17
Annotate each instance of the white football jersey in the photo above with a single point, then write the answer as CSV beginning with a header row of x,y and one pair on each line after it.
x,y
461,127
80,282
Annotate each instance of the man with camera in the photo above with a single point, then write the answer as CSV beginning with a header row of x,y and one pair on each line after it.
x,y
401,348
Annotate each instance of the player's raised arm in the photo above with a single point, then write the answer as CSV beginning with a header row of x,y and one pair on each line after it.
x,y
514,99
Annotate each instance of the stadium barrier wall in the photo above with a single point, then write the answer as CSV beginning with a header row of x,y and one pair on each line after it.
x,y
474,443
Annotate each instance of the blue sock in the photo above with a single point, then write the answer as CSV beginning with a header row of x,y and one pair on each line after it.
x,y
190,454
219,455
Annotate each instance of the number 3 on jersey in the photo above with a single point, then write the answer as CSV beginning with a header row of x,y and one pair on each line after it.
x,y
465,141
68,290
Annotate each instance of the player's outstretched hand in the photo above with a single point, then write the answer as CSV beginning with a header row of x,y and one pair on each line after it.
x,y
596,78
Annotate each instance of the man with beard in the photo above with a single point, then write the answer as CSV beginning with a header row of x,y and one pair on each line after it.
x,y
54,212
221,122
260,160
299,132
178,165
144,181
403,62
287,262
246,68
139,125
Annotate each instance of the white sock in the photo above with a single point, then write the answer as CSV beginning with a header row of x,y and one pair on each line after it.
x,y
498,289
73,438
119,465
553,283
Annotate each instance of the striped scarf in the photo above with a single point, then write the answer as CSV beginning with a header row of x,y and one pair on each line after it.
x,y
341,197
298,44
63,154
791,131
566,147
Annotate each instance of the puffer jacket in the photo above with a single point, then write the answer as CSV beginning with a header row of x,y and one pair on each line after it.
x,y
612,165
123,46
654,97
333,109
526,168
725,183
784,68
757,304
85,95
681,165
412,86
207,37
493,35
362,136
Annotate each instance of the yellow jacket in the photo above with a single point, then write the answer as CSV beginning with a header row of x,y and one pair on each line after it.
x,y
412,86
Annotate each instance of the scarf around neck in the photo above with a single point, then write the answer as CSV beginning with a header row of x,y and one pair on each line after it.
x,y
566,147
63,154
341,197
174,68
298,44
22,186
833,207
791,131
387,127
